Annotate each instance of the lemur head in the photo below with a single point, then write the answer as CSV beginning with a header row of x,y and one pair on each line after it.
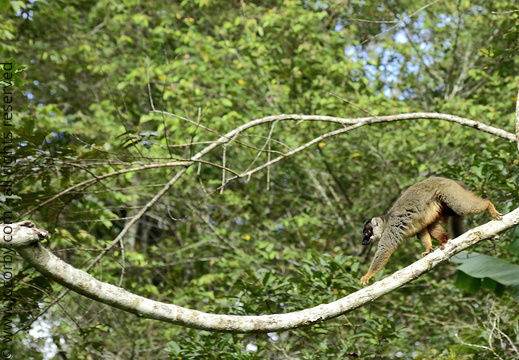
x,y
372,230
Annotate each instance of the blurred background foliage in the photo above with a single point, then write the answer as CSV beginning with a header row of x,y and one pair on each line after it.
x,y
285,238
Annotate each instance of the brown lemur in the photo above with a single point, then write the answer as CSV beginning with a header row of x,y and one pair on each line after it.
x,y
421,211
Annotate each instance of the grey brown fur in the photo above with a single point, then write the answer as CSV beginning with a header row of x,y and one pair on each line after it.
x,y
421,210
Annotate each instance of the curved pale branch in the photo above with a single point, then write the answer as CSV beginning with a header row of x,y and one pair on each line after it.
x,y
224,139
355,123
83,283
345,121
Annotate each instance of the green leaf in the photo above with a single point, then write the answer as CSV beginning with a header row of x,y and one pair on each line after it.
x,y
514,245
17,6
226,102
266,278
4,5
478,270
484,266
467,283
514,292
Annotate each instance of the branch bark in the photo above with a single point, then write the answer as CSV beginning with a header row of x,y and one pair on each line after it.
x,y
48,264
20,234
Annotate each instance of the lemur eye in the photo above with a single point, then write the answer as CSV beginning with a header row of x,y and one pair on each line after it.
x,y
369,232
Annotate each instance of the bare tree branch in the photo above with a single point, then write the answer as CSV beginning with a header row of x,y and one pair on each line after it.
x,y
83,283
357,122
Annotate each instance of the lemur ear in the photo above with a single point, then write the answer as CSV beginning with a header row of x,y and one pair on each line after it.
x,y
376,222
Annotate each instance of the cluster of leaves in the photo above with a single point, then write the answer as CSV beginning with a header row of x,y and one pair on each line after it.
x,y
287,237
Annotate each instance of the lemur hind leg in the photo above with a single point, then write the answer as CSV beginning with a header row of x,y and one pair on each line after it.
x,y
465,202
438,232
425,238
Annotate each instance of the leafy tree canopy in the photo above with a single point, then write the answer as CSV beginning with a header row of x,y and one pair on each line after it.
x,y
104,86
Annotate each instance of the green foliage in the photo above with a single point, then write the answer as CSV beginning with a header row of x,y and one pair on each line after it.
x,y
89,74
486,272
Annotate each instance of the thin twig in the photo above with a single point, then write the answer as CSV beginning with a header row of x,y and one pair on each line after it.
x,y
400,21
87,183
478,346
149,86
